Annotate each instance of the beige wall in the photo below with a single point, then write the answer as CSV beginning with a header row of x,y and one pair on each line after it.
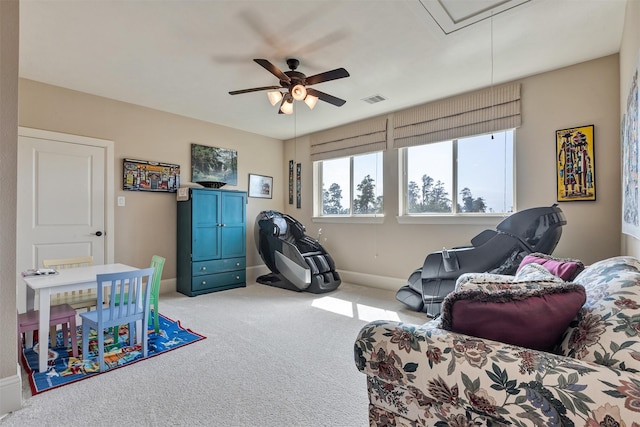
x,y
629,59
583,94
10,382
146,225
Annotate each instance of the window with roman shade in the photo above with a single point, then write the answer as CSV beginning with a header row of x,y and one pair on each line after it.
x,y
484,111
362,137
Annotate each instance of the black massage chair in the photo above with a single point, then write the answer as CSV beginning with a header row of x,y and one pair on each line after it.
x,y
296,261
497,251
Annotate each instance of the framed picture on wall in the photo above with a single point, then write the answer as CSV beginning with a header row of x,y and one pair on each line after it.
x,y
630,149
143,175
260,186
575,164
298,185
290,182
213,164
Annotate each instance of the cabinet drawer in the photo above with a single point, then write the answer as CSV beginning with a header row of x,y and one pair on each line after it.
x,y
217,266
219,280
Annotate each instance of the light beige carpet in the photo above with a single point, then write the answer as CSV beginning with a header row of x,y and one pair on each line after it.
x,y
272,357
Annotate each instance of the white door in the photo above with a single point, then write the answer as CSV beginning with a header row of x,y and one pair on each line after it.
x,y
63,184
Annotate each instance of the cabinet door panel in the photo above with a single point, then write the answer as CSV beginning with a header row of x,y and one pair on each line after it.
x,y
234,242
206,205
233,209
206,238
206,243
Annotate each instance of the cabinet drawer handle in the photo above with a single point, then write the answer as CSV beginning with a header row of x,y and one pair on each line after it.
x,y
204,282
237,264
237,277
203,268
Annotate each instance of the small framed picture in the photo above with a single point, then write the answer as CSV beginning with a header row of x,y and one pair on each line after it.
x,y
260,186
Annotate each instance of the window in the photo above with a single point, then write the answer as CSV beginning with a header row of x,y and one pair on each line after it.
x,y
462,176
350,185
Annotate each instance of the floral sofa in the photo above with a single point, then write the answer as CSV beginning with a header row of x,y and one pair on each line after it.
x,y
424,375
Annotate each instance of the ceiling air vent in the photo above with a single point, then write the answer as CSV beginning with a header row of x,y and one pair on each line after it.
x,y
374,99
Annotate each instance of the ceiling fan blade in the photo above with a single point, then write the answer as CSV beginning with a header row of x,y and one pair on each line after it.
x,y
338,73
326,97
273,69
255,89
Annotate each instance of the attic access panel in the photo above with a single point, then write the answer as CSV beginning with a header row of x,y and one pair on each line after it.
x,y
452,15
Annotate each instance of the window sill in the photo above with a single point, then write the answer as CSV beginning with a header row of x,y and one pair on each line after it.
x,y
492,220
360,219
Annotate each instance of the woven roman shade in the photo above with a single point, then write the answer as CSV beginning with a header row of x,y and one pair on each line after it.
x,y
488,110
362,137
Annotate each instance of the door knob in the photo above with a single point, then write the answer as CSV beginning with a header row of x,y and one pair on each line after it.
x,y
98,233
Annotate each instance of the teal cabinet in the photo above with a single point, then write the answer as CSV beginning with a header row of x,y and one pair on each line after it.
x,y
211,241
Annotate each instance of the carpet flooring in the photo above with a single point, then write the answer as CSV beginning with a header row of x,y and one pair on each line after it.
x,y
272,357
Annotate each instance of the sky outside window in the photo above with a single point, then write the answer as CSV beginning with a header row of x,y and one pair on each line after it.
x,y
485,167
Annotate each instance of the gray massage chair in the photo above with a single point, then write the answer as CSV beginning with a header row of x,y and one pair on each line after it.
x,y
297,261
497,251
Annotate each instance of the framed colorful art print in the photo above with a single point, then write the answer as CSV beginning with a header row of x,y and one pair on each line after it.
x,y
144,175
575,164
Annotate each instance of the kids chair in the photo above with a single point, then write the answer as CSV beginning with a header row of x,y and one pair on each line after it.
x,y
84,299
76,299
60,314
157,262
129,310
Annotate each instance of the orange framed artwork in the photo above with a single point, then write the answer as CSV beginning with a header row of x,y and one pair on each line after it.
x,y
575,161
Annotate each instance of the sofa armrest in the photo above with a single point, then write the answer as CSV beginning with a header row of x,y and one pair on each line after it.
x,y
428,376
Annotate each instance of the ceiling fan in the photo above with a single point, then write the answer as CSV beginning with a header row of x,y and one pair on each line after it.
x,y
296,84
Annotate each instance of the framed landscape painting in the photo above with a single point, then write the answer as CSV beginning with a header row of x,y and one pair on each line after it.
x,y
575,162
213,164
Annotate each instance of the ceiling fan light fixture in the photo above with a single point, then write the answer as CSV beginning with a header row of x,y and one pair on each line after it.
x,y
292,86
287,105
311,101
274,97
299,92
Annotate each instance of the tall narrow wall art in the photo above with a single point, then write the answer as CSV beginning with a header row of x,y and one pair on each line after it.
x,y
298,186
629,138
290,182
576,164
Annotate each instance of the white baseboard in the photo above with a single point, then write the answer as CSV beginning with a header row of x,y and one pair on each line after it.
x,y
382,282
169,285
255,271
11,393
374,281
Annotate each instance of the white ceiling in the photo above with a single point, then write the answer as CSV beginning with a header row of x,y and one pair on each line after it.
x,y
184,56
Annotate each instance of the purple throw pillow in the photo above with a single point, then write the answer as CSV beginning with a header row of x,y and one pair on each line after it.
x,y
564,268
534,319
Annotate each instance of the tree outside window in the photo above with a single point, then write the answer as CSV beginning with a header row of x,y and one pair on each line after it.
x,y
358,175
